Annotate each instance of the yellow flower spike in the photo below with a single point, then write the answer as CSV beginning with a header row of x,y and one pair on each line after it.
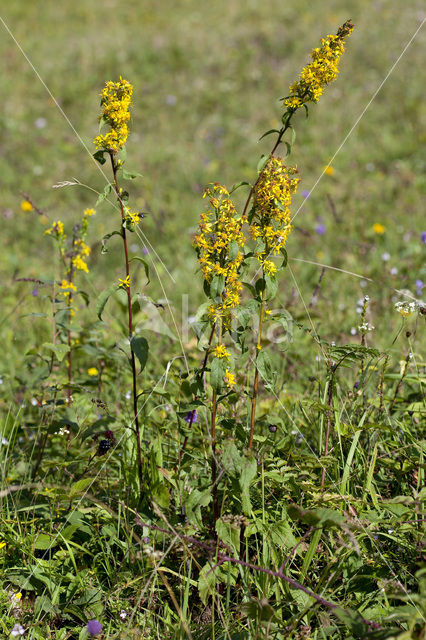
x,y
26,205
92,371
116,101
124,284
321,71
89,212
272,199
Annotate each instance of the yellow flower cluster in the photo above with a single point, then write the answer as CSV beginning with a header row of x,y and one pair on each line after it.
x,y
132,217
57,229
78,259
67,288
230,379
219,244
271,220
220,351
116,101
321,71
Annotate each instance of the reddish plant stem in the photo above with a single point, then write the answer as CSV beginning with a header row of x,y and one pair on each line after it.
x,y
203,368
129,306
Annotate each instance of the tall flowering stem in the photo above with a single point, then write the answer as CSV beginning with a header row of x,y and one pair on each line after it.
x,y
74,258
220,247
126,284
270,226
115,103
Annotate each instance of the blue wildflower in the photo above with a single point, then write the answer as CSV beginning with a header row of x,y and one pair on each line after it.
x,y
191,417
94,627
320,229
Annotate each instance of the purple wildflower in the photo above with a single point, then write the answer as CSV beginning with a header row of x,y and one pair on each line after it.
x,y
423,237
419,287
145,251
306,194
191,417
320,229
94,627
35,293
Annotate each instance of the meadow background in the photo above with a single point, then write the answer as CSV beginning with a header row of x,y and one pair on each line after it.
x,y
207,80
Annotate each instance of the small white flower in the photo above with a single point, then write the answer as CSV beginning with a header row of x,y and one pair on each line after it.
x,y
18,630
363,283
128,395
63,431
394,271
385,256
34,402
365,327
1,380
353,331
123,614
318,358
4,441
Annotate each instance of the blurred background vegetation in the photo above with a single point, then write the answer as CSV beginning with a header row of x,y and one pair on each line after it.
x,y
208,78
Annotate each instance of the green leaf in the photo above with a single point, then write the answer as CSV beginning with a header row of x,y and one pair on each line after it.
x,y
146,267
237,185
233,249
103,299
262,162
206,582
248,473
217,285
80,486
44,604
130,175
264,366
217,372
45,541
285,256
105,193
271,286
60,350
269,133
140,348
99,156
107,237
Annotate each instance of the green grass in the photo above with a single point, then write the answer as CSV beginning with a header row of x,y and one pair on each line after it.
x,y
207,79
